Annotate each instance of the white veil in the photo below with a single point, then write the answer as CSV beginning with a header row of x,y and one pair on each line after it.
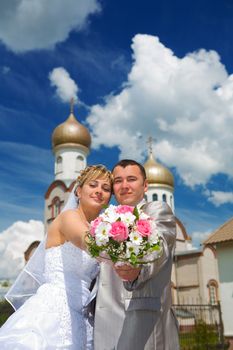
x,y
32,276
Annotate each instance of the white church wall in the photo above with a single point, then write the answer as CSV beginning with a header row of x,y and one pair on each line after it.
x,y
73,161
225,264
160,191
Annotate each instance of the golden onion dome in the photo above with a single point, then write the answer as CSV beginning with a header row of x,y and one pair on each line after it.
x,y
157,173
71,132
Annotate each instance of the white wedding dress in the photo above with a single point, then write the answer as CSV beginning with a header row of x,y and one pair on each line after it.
x,y
56,316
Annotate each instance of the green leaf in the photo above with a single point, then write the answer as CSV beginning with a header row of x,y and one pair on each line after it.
x,y
136,212
114,243
155,247
133,259
113,258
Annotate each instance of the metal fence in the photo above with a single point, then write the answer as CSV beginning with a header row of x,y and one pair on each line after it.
x,y
201,327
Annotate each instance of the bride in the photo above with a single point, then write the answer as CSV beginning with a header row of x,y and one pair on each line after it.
x,y
55,316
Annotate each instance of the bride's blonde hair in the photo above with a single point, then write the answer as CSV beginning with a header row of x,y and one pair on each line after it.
x,y
93,172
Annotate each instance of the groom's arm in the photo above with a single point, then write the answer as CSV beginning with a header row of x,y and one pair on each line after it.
x,y
166,227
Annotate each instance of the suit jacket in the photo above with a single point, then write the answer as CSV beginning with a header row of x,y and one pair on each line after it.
x,y
138,315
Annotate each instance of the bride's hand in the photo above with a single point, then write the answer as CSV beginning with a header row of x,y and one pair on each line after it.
x,y
127,272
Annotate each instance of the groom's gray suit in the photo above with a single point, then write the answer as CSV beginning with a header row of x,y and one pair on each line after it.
x,y
138,315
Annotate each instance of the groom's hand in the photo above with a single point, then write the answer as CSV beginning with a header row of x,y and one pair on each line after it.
x,y
127,273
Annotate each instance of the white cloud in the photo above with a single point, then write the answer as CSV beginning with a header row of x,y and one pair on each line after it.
x,y
226,90
219,197
185,103
5,69
13,243
66,88
199,237
40,24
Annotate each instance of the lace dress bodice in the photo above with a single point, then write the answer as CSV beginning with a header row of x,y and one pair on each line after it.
x,y
71,270
56,316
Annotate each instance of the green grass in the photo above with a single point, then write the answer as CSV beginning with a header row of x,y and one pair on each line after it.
x,y
5,311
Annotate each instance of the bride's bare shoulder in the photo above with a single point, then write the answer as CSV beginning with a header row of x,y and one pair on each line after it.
x,y
63,219
68,216
68,213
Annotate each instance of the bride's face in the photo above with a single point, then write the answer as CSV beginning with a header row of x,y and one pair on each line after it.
x,y
95,193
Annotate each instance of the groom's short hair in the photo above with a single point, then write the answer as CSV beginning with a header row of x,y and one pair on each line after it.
x,y
125,162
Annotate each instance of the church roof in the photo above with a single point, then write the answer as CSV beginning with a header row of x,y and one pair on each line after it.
x,y
194,251
181,234
71,132
223,234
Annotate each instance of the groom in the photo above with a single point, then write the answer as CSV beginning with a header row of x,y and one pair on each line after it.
x,y
137,314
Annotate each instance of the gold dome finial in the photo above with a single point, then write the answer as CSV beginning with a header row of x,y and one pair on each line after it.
x,y
149,142
150,145
156,173
72,105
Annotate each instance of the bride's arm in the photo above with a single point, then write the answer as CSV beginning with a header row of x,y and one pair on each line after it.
x,y
73,229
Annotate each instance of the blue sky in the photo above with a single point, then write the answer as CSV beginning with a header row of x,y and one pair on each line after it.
x,y
138,69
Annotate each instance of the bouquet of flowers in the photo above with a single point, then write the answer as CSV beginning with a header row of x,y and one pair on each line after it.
x,y
124,234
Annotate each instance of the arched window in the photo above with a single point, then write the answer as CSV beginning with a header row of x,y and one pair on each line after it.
x,y
59,165
154,197
171,201
79,165
164,197
213,292
56,207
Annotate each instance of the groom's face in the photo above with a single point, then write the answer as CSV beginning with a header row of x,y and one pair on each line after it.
x,y
129,185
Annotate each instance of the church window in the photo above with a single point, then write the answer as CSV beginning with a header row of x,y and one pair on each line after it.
x,y
59,165
213,292
154,197
56,207
79,165
164,197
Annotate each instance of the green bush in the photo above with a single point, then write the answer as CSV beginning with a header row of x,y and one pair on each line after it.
x,y
205,335
5,284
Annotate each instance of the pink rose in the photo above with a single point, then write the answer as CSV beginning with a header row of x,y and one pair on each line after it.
x,y
122,209
119,231
144,228
94,224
